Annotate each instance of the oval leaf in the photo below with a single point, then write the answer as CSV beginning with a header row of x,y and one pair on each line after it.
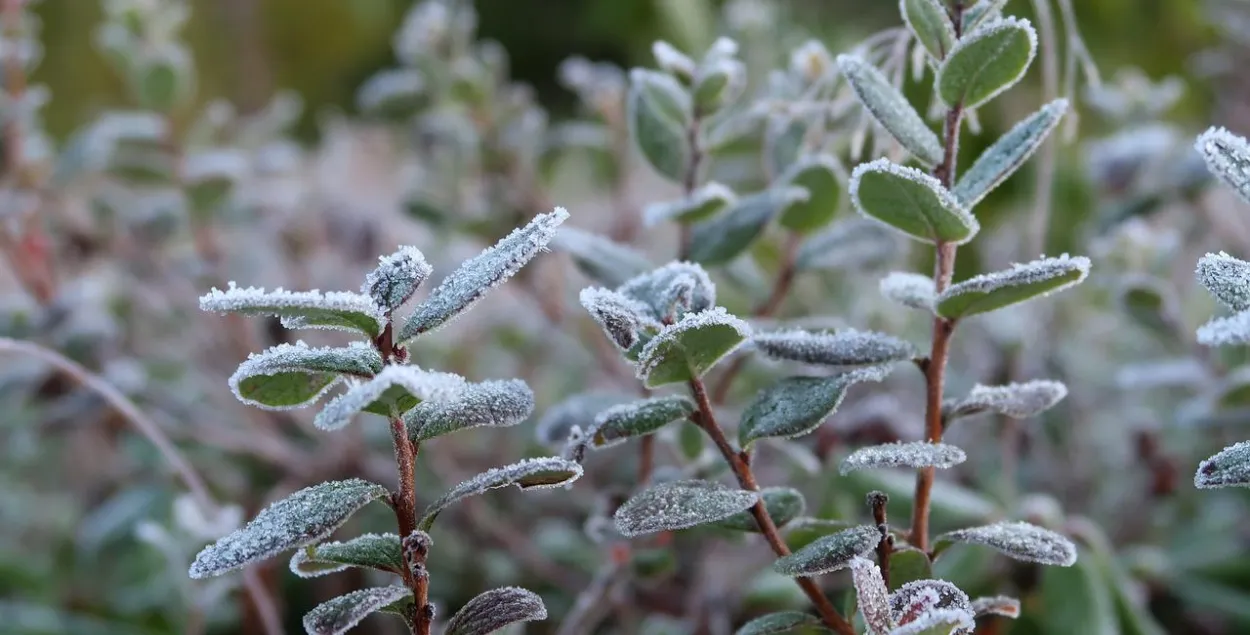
x,y
914,600
872,595
640,418
830,553
346,611
986,62
339,310
804,531
797,405
672,290
687,349
491,403
680,505
375,551
603,260
396,277
577,411
303,518
891,109
931,24
1015,400
1227,157
704,203
725,236
658,112
496,609
778,623
783,504
1019,540
846,347
991,291
818,175
903,454
1229,468
1227,278
911,290
908,564
394,390
294,375
912,202
538,473
1006,155
460,290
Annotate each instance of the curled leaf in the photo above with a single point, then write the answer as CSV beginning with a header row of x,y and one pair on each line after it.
x,y
680,505
797,405
847,347
1229,468
1019,540
986,62
620,316
783,504
343,613
375,551
687,349
496,609
1008,153
672,290
295,375
396,277
910,290
640,418
1015,400
390,392
538,473
830,553
1227,278
891,109
992,291
490,403
912,202
340,310
903,454
1227,157
600,258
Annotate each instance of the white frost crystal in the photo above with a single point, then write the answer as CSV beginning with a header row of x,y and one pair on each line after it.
x,y
320,369
1015,400
1225,331
872,594
1019,540
909,289
1227,157
1227,278
903,454
1022,282
424,385
1231,467
396,277
303,309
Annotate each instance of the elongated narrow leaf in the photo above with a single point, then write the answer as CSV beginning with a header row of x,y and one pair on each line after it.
x,y
725,236
339,310
680,505
910,290
931,24
640,418
1008,153
991,291
779,623
1227,157
912,202
687,349
295,375
783,504
855,243
903,454
603,260
1229,468
375,551
496,609
658,110
986,62
830,553
872,595
539,473
622,318
490,403
797,405
1233,330
460,290
393,391
346,611
1015,400
673,290
396,277
1000,605
847,347
819,176
1019,540
1227,278
577,411
704,203
891,109
303,518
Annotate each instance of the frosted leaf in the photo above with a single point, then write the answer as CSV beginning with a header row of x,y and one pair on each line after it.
x,y
938,622
830,553
846,347
346,611
820,176
1019,540
392,92
720,82
376,551
1015,400
805,530
777,623
986,62
704,203
640,418
727,235
931,24
496,609
603,260
914,600
855,243
909,289
396,277
658,110
1227,278
1229,468
909,564
872,595
687,349
991,291
673,61
903,454
577,411
891,109
783,505
1000,605
392,391
1227,157
797,405
460,290
490,403
912,202
671,290
294,375
538,473
620,316
303,518
981,12
1224,331
340,310
1008,153
680,505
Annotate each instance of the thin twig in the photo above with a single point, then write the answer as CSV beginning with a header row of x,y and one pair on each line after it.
x,y
878,501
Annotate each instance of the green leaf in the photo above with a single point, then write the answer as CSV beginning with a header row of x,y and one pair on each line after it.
x,y
300,309
931,24
346,611
784,504
687,349
818,175
460,290
491,403
986,62
829,553
797,405
658,111
725,236
1227,278
159,83
1008,153
912,202
1077,600
992,291
704,203
1227,157
891,109
495,609
908,564
805,530
1229,468
294,375
719,83
777,623
389,393
981,12
847,347
601,259
680,505
783,142
374,551
640,418
528,474
912,454
303,518
396,277
1019,540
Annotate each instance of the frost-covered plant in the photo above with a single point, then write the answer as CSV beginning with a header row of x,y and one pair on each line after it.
x,y
420,405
